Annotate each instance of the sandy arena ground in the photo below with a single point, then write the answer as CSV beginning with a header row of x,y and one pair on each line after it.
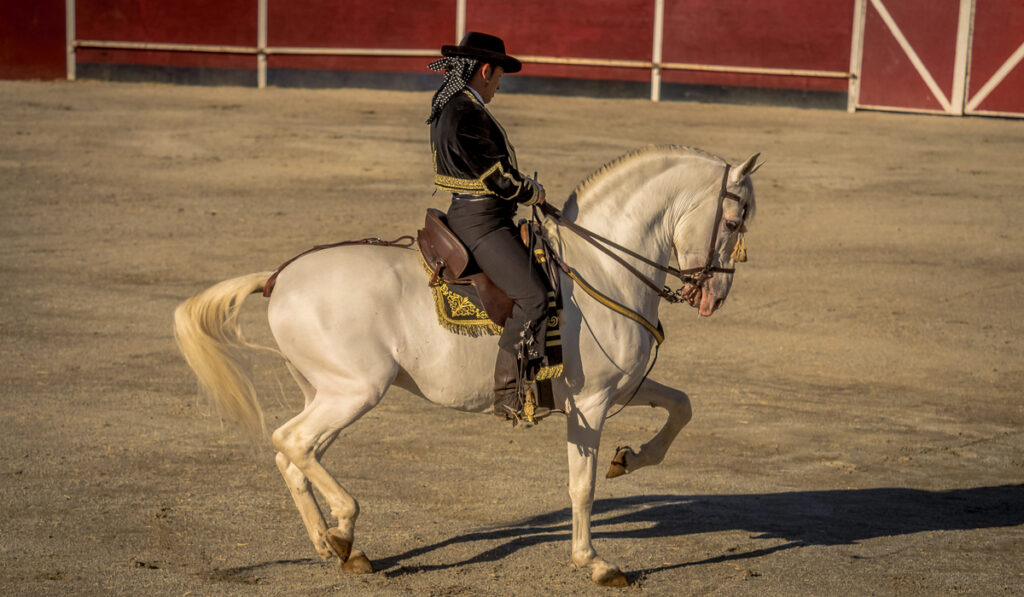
x,y
858,412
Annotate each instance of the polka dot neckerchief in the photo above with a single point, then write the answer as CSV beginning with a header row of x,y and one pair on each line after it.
x,y
457,72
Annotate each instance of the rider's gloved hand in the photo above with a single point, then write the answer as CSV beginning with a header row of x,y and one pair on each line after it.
x,y
541,195
538,197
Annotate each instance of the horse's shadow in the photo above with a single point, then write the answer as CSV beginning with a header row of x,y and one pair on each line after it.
x,y
832,517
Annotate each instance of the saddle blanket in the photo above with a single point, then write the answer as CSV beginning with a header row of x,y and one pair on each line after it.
x,y
460,311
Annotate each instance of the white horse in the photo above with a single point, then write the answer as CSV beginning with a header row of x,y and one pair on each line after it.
x,y
351,321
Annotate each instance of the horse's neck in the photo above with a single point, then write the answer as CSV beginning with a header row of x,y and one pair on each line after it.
x,y
638,206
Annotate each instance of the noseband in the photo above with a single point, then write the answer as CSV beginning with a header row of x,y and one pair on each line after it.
x,y
699,275
695,276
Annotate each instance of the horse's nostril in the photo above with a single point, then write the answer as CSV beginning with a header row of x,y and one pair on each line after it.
x,y
718,302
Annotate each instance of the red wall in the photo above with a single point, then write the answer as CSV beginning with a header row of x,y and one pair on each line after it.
x,y
614,29
805,34
796,34
785,34
415,25
219,22
32,40
801,34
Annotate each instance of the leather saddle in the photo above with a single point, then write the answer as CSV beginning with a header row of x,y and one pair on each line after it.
x,y
450,260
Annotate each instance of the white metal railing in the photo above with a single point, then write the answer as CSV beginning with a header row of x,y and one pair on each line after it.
x,y
261,50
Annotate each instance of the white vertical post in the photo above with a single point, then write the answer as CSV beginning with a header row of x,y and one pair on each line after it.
x,y
659,29
963,49
860,8
69,37
261,43
460,20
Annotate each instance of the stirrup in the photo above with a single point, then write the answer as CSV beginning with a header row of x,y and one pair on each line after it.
x,y
530,414
519,418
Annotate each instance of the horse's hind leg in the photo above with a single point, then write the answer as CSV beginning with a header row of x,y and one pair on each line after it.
x,y
677,404
299,486
312,518
300,443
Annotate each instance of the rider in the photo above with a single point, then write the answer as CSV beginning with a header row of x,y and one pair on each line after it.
x,y
474,161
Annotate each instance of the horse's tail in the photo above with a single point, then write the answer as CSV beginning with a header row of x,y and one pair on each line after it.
x,y
206,329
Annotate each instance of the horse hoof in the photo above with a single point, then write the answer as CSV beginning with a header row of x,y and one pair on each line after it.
x,y
341,546
618,466
612,578
357,563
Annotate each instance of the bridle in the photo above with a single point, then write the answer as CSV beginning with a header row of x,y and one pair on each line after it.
x,y
694,276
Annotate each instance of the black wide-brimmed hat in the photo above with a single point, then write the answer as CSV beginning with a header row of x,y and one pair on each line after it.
x,y
486,48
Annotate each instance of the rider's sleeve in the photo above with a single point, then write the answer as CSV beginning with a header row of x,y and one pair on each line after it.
x,y
491,163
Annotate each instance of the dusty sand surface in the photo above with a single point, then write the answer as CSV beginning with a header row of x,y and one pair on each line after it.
x,y
858,401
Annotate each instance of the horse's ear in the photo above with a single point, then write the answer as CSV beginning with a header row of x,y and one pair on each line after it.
x,y
745,169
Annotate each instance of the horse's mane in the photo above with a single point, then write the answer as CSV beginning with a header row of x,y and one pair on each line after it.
x,y
632,156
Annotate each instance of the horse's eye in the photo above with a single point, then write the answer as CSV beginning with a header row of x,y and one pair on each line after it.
x,y
732,226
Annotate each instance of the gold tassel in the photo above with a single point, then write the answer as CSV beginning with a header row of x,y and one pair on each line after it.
x,y
739,252
530,405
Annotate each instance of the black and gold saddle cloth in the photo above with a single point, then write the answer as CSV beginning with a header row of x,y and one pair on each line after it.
x,y
460,310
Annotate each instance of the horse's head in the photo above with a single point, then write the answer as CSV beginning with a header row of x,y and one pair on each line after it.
x,y
709,238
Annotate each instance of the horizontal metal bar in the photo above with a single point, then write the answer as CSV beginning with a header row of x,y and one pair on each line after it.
x,y
351,52
171,47
384,52
747,70
163,47
756,70
586,61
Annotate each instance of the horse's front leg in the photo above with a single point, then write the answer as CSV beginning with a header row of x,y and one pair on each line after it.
x,y
584,438
677,404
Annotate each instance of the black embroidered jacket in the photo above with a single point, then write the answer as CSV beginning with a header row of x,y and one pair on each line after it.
x,y
472,154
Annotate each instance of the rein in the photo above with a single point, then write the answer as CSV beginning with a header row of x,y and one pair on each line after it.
x,y
694,275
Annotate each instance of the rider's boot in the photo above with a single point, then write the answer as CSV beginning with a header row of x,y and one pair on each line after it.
x,y
512,402
507,404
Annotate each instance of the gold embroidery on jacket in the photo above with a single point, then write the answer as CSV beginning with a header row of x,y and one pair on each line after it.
x,y
477,185
458,185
